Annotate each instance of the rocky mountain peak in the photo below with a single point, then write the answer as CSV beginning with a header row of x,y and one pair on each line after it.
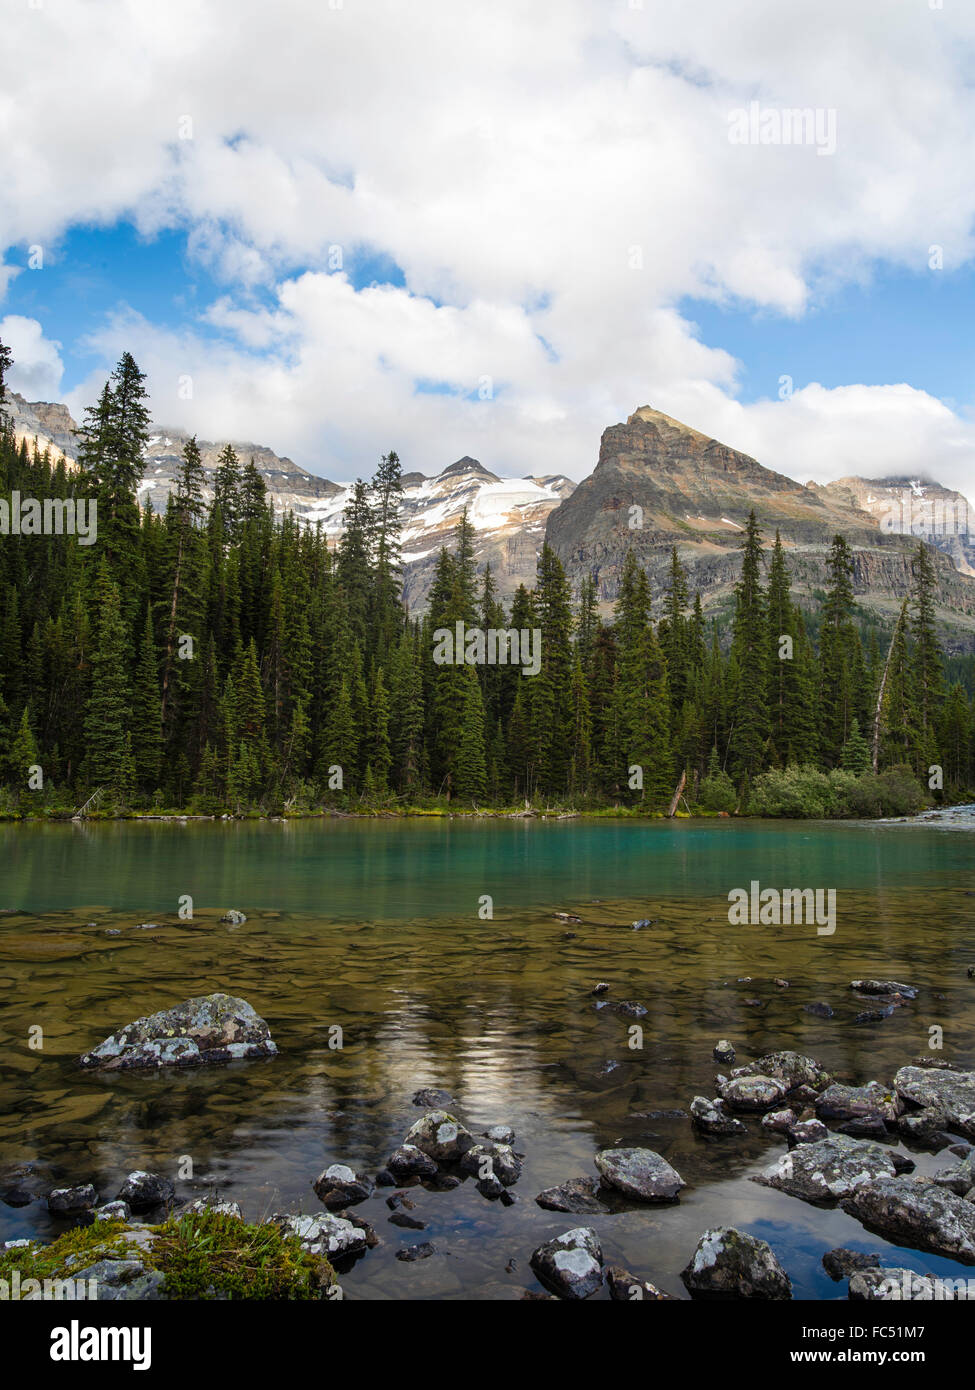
x,y
468,465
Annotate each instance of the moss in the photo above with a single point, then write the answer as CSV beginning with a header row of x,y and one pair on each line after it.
x,y
204,1255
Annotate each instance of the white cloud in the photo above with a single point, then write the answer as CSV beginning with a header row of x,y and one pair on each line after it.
x,y
37,368
551,179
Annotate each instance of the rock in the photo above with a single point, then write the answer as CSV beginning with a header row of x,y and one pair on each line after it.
x,y
867,1127
882,1283
921,1215
485,1161
409,1223
732,1264
210,1028
578,1196
883,987
143,1191
67,1201
571,1264
430,1098
950,1092
625,1287
639,1174
113,1211
500,1134
752,1092
491,1186
857,1102
841,1263
710,1117
411,1253
628,1008
122,1280
819,1009
960,1179
780,1121
874,1015
567,917
410,1162
806,1132
793,1069
925,1128
644,922
440,1136
724,1052
324,1234
361,1224
782,984
340,1187
827,1170
234,918
215,1205
599,988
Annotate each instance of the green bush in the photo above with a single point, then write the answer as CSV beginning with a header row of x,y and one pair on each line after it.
x,y
805,793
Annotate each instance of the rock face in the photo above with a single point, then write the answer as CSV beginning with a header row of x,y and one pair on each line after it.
x,y
829,1169
924,1216
694,492
440,1136
571,1265
639,1174
732,1264
949,1094
208,1029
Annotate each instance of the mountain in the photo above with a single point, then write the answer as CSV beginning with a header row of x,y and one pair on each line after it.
x,y
659,483
915,507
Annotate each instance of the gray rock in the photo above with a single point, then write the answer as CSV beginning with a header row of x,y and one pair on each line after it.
x,y
827,1170
234,918
710,1117
625,1287
881,1284
841,1263
732,1264
806,1132
857,1102
441,1136
215,1205
883,987
143,1191
793,1069
952,1093
430,1098
339,1187
66,1201
410,1253
578,1196
485,1161
410,1162
639,1174
571,1264
210,1028
723,1052
867,1127
113,1211
122,1280
819,1009
922,1215
324,1234
752,1092
500,1134
779,1121
960,1179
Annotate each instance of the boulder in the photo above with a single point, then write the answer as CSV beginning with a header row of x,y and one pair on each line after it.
x,y
441,1136
430,1098
881,1284
113,1211
752,1092
500,1134
625,1287
723,1052
68,1201
639,1174
951,1093
578,1196
498,1160
571,1264
710,1117
210,1028
922,1215
828,1170
234,918
841,1263
779,1121
732,1264
793,1069
871,1101
324,1234
122,1280
884,987
410,1162
144,1191
340,1187
960,1179
806,1132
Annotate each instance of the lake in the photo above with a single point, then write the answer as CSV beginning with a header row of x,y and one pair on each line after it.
x,y
380,928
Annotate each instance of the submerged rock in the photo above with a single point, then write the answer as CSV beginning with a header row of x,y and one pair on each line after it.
x,y
952,1093
827,1170
207,1029
430,1098
922,1215
571,1264
639,1174
841,1263
578,1196
710,1117
441,1136
732,1264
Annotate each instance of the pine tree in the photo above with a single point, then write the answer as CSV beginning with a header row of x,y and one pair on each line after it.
x,y
749,648
107,714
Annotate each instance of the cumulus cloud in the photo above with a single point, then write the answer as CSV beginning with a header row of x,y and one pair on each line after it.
x,y
37,369
551,181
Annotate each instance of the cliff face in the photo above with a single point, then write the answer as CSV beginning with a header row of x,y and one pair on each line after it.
x,y
660,483
915,507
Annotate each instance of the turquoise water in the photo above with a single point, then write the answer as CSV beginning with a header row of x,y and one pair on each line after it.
x,y
379,928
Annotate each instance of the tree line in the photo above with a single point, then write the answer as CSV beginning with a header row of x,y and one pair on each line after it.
x,y
217,658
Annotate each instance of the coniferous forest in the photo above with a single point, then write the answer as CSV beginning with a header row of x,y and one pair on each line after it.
x,y
217,660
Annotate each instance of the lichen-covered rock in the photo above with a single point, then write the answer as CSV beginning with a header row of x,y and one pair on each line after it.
x,y
724,1052
324,1234
578,1196
960,1179
639,1174
926,1128
144,1191
500,1134
779,1121
234,918
806,1132
827,1170
752,1092
732,1264
710,1117
410,1162
113,1211
793,1069
214,1204
122,1280
339,1187
951,1093
625,1287
858,1102
431,1098
884,987
441,1136
841,1263
922,1215
67,1201
882,1284
486,1160
571,1265
210,1028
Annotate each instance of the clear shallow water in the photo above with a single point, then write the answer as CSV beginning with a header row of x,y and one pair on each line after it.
x,y
373,926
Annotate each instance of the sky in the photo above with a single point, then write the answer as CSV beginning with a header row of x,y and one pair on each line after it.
x,y
337,227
